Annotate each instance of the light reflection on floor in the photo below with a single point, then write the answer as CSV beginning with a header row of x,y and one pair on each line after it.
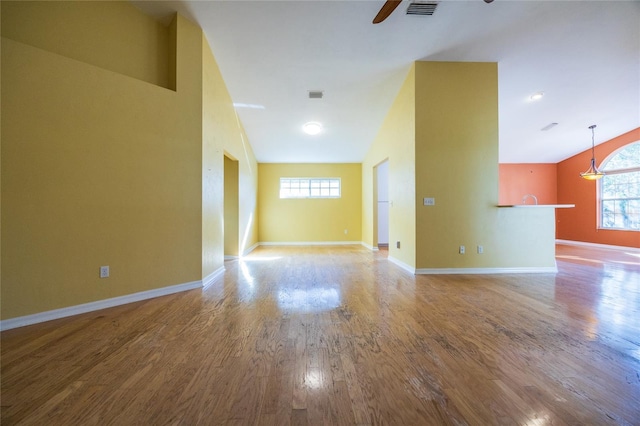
x,y
245,272
246,283
620,291
600,262
596,255
259,259
313,378
610,301
316,299
538,422
569,257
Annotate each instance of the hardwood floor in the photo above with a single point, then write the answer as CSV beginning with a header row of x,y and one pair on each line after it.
x,y
340,336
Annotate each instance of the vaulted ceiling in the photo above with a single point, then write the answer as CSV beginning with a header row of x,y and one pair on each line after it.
x,y
583,55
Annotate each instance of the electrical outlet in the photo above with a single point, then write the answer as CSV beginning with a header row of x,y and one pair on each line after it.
x,y
104,272
346,231
480,249
429,201
461,251
398,244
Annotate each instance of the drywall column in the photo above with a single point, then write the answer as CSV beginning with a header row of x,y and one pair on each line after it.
x,y
223,134
456,163
396,142
383,202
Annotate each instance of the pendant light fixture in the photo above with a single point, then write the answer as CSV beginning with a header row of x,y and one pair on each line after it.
x,y
593,173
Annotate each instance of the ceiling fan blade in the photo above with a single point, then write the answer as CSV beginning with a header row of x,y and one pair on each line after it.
x,y
388,7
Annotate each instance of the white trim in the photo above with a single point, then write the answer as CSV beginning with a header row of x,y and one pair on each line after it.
x,y
96,306
250,249
311,243
209,279
370,247
522,270
402,265
227,257
597,245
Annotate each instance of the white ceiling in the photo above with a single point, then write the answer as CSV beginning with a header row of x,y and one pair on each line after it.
x,y
584,56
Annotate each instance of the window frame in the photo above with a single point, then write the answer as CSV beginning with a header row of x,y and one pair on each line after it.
x,y
601,200
310,188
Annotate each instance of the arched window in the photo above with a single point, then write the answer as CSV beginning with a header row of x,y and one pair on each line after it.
x,y
620,189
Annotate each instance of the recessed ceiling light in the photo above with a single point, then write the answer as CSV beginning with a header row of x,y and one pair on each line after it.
x,y
537,96
312,128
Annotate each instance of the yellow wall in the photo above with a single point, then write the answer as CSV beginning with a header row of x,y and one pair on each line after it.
x,y
106,34
311,219
0,174
457,164
223,134
395,141
99,168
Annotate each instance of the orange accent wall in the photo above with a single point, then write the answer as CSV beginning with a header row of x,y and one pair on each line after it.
x,y
580,223
516,180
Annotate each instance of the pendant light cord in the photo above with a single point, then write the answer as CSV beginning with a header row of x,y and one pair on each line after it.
x,y
592,173
593,142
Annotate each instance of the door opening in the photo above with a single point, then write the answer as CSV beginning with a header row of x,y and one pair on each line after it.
x,y
382,173
231,208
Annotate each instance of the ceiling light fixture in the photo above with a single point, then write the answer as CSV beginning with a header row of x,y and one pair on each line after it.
x,y
312,128
592,173
537,96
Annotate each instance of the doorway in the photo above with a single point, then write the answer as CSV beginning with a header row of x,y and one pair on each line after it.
x,y
231,208
382,178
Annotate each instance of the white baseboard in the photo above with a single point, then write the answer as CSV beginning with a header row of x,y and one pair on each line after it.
x,y
209,279
311,243
597,245
244,253
402,265
250,249
96,306
370,247
523,270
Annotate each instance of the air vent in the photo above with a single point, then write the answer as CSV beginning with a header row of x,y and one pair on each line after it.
x,y
417,8
315,94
